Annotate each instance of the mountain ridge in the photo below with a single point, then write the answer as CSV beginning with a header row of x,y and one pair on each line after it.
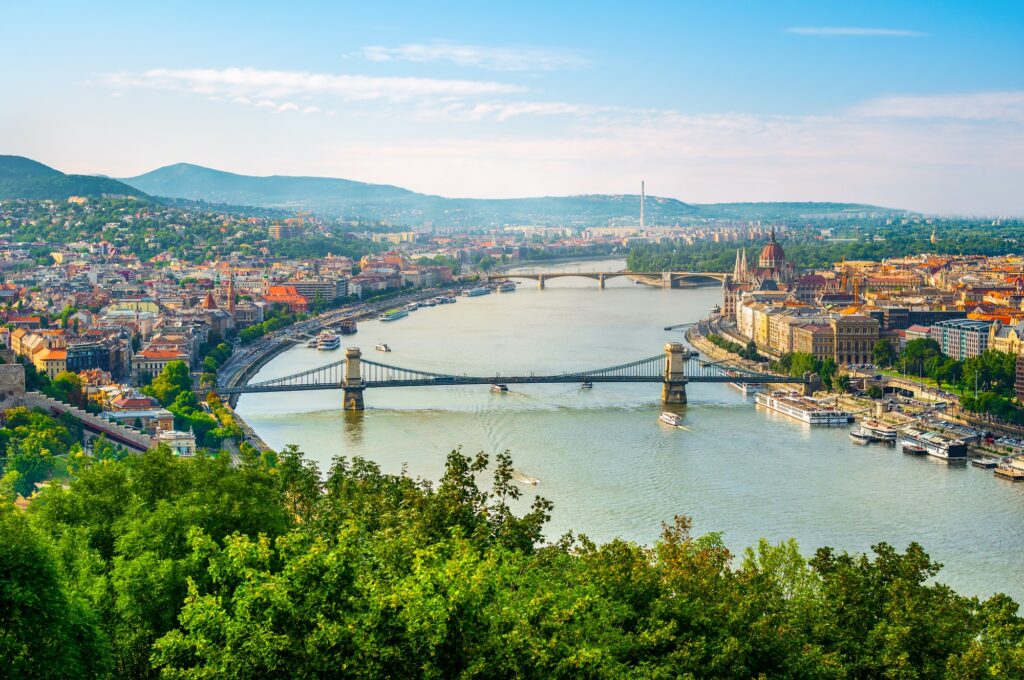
x,y
22,177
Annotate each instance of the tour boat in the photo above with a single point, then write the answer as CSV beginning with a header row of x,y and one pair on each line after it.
x,y
383,347
879,431
802,408
935,444
476,292
507,287
669,418
394,315
328,340
411,307
586,385
859,436
498,387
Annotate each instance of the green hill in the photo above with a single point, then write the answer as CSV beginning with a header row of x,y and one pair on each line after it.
x,y
22,177
381,201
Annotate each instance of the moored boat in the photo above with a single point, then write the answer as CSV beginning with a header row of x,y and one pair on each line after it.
x,y
347,327
859,436
879,431
327,340
1012,470
393,315
935,444
507,287
476,292
802,408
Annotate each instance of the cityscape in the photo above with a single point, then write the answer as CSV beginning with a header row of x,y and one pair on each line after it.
x,y
462,357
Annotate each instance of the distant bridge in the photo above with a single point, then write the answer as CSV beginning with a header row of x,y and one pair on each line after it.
x,y
661,279
673,369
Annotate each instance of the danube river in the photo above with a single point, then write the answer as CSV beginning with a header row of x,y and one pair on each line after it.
x,y
603,458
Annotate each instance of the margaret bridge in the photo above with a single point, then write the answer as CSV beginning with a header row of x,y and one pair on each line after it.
x,y
674,369
660,279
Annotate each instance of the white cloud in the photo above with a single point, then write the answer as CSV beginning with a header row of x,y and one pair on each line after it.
x,y
849,31
266,84
976,106
311,109
478,56
287,106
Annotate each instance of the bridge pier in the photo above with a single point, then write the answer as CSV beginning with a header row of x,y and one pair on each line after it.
x,y
673,388
600,280
540,282
352,385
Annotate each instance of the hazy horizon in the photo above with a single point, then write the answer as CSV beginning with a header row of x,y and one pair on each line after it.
x,y
917,107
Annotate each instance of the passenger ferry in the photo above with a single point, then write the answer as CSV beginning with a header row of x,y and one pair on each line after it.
x,y
383,347
669,418
328,340
803,408
507,287
347,327
498,387
393,315
476,292
934,444
879,431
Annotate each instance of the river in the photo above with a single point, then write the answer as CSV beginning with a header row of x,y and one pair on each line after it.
x,y
611,469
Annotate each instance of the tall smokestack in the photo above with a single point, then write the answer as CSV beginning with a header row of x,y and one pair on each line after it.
x,y
643,198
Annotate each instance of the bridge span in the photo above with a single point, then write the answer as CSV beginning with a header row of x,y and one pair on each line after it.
x,y
674,369
659,279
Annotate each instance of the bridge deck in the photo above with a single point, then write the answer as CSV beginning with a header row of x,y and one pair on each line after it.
x,y
443,381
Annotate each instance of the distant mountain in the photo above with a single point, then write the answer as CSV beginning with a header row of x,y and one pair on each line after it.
x,y
381,201
22,177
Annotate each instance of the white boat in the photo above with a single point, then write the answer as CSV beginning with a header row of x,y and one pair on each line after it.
x,y
673,419
803,408
383,347
879,431
745,388
411,307
934,444
327,340
498,387
394,315
859,436
312,343
507,287
586,385
475,292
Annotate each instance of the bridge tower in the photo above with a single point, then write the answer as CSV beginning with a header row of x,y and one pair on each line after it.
x,y
673,388
352,385
540,281
600,280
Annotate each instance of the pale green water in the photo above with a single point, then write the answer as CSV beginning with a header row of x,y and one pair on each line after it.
x,y
609,466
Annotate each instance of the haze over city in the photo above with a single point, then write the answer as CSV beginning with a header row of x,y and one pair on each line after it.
x,y
916,106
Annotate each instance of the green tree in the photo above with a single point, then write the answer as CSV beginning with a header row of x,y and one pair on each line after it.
x,y
884,353
45,629
172,381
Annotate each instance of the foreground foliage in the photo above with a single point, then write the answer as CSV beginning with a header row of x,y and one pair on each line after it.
x,y
196,569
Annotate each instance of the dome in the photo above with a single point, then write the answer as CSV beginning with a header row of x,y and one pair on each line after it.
x,y
772,255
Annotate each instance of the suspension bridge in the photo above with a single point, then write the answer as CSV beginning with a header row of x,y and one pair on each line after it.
x,y
674,369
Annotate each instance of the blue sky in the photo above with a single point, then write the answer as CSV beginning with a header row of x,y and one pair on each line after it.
x,y
914,104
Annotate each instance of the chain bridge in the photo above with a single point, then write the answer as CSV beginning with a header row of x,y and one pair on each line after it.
x,y
674,369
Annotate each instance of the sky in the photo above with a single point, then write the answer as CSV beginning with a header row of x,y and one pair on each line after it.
x,y
915,105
